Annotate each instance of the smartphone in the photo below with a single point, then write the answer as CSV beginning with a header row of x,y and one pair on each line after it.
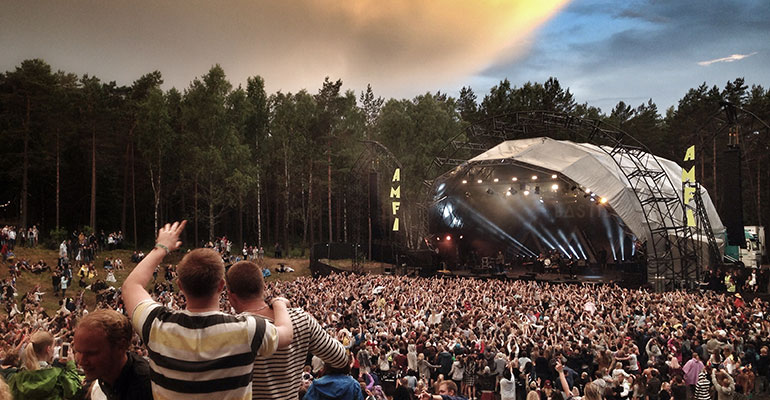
x,y
65,350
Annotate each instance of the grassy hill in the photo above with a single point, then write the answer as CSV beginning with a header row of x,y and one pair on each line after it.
x,y
27,281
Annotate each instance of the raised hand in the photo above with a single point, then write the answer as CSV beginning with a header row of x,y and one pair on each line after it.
x,y
168,236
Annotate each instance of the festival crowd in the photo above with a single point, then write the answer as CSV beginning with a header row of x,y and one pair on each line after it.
x,y
409,338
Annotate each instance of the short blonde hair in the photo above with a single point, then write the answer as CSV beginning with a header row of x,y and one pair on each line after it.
x,y
200,272
244,279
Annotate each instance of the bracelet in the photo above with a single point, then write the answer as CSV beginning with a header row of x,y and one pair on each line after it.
x,y
162,246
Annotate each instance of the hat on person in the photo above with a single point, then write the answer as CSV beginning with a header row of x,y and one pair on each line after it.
x,y
548,384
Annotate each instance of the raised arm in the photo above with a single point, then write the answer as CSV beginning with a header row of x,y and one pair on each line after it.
x,y
282,321
563,379
133,288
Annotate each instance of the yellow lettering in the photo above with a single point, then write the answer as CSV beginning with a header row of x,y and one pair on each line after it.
x,y
395,224
690,154
689,193
396,192
690,218
396,205
688,176
397,175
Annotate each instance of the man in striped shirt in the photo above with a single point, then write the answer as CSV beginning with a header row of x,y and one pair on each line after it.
x,y
200,352
279,376
703,385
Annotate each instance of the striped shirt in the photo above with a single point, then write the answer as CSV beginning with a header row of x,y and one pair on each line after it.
x,y
279,376
203,355
703,386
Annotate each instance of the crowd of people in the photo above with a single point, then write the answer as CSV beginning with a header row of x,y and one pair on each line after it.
x,y
377,337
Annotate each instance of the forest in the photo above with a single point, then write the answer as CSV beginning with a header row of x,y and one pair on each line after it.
x,y
82,154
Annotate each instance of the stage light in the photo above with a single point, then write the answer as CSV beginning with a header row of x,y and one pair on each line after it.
x,y
448,238
508,193
526,193
465,181
496,180
514,179
554,176
461,236
479,181
438,238
603,200
588,190
534,177
467,194
555,187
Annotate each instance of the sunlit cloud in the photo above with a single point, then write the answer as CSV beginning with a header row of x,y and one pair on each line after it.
x,y
734,57
401,47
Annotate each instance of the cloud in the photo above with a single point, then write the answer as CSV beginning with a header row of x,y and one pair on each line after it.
x,y
402,47
603,50
734,57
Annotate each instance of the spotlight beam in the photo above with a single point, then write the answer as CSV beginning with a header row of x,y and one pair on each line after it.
x,y
493,228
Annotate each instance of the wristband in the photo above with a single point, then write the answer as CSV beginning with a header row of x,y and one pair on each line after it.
x,y
162,246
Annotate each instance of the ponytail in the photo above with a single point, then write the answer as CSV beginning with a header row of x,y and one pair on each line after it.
x,y
30,358
36,350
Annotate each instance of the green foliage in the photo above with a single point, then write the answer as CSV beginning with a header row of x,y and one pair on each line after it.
x,y
55,237
200,153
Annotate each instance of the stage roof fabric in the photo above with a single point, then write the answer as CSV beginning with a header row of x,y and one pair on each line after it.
x,y
593,168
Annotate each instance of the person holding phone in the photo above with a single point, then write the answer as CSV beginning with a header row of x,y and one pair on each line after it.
x,y
42,378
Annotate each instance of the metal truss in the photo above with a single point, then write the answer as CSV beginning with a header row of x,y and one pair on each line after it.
x,y
672,259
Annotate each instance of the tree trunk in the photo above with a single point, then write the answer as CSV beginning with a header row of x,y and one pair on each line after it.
x,y
345,217
329,189
240,219
58,179
310,201
369,213
25,167
338,218
133,197
268,215
195,209
125,190
92,220
286,198
211,210
156,192
259,211
305,214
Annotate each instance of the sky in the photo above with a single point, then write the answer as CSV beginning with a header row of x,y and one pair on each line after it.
x,y
604,51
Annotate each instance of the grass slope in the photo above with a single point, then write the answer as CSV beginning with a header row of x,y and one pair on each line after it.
x,y
27,281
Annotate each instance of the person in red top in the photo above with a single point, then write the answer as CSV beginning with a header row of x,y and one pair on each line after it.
x,y
738,302
401,361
